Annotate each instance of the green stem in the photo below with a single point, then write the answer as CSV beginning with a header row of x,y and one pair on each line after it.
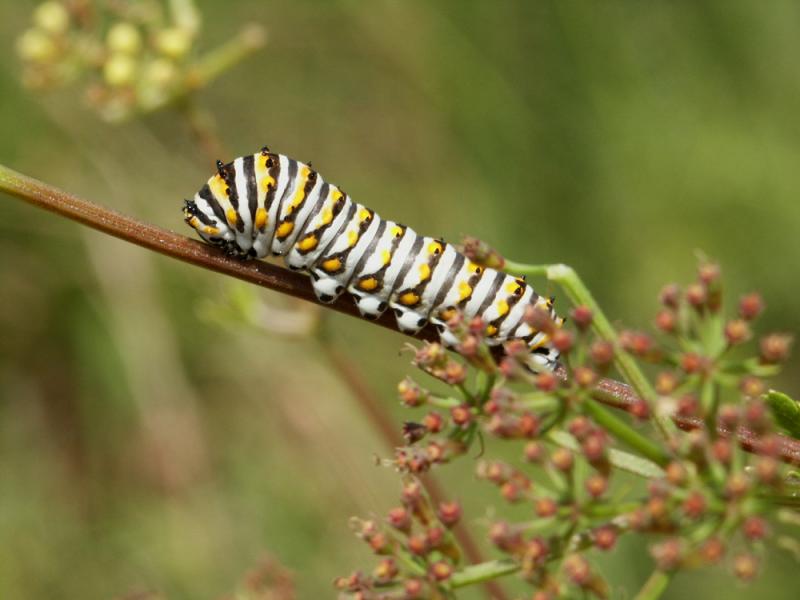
x,y
485,571
654,586
625,433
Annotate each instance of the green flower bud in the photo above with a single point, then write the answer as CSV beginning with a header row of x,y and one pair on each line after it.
x,y
51,17
119,70
125,38
174,42
36,46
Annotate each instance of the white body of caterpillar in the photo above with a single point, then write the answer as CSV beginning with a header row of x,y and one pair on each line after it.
x,y
269,204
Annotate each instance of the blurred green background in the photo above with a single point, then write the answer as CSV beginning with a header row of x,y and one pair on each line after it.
x,y
147,445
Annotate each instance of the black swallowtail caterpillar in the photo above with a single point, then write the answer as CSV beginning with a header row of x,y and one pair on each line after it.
x,y
269,203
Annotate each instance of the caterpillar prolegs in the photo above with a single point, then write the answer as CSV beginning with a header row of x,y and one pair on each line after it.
x,y
268,203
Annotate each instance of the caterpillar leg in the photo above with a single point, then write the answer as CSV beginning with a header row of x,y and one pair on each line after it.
x,y
327,289
370,307
409,321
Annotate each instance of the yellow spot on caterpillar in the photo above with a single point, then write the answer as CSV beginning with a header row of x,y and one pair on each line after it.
x,y
424,272
386,257
300,193
368,284
232,216
447,314
218,187
491,330
511,288
209,230
267,183
327,216
473,268
464,290
435,248
409,299
364,215
261,219
308,243
284,230
337,194
352,238
397,231
502,307
541,342
332,265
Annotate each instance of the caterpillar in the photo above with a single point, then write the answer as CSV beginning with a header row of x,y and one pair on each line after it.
x,y
268,203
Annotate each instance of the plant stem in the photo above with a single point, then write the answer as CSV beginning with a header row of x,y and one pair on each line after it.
x,y
483,572
625,433
654,586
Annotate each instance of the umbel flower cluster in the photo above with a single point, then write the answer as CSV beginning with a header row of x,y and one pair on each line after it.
x,y
712,479
134,56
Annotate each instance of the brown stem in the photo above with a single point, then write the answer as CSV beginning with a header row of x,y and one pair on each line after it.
x,y
42,195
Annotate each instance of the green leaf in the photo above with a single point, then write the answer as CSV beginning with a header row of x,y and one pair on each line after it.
x,y
785,411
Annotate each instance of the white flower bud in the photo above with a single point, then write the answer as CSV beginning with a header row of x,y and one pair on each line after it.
x,y
119,70
174,42
51,17
36,46
124,37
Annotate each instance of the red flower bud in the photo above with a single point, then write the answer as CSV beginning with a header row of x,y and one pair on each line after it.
x,y
461,415
605,537
545,507
666,320
750,306
410,393
449,513
668,554
562,459
670,295
534,452
708,273
737,331
712,550
582,317
563,340
399,518
695,505
418,544
546,381
601,353
754,528
696,295
585,377
386,570
752,387
745,567
577,570
775,347
433,422
414,589
441,571
596,485
666,382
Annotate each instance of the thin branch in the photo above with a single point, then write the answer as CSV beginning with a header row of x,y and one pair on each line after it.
x,y
609,392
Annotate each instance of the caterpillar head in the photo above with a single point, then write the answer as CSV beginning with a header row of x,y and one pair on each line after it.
x,y
198,214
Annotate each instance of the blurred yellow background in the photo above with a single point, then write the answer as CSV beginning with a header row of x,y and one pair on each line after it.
x,y
150,442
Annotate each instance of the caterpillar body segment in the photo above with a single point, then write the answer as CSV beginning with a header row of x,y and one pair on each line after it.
x,y
269,204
